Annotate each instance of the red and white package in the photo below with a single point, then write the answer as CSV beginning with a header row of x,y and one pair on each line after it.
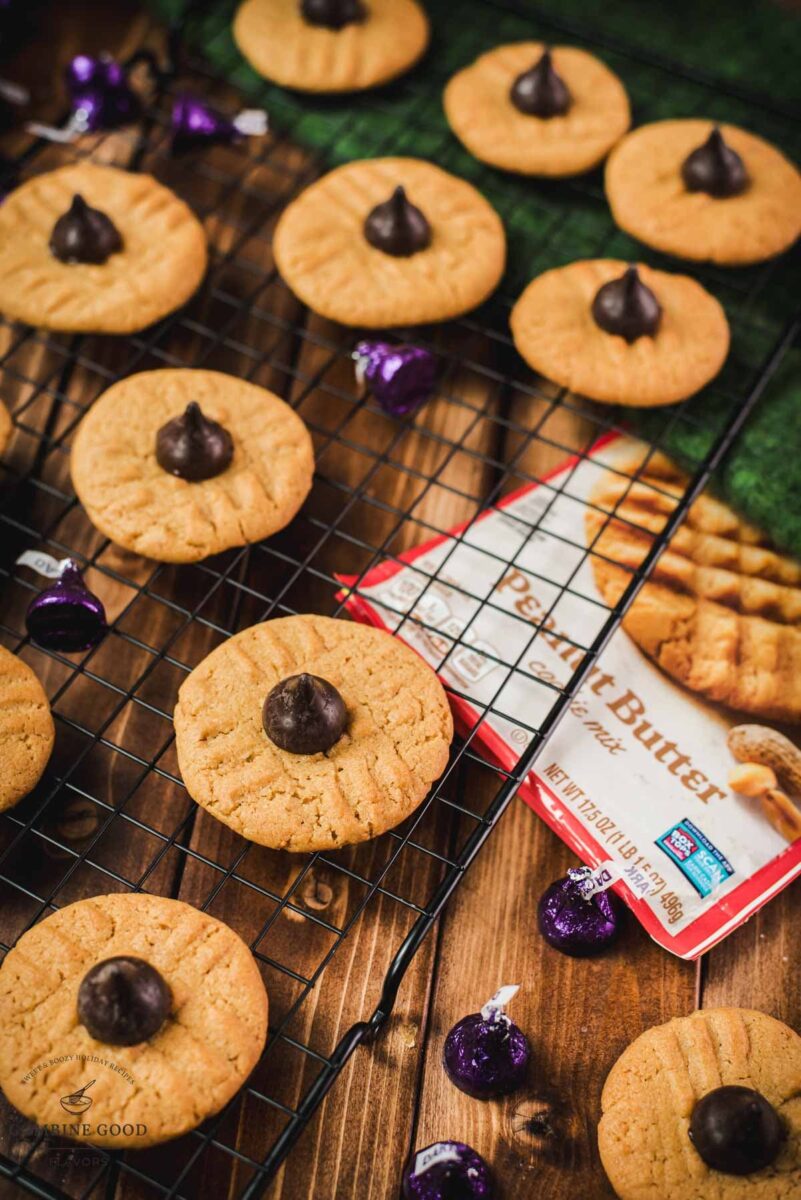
x,y
635,776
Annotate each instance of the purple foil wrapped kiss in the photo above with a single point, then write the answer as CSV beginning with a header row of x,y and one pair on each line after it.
x,y
447,1171
401,377
485,1054
196,123
101,96
66,616
578,917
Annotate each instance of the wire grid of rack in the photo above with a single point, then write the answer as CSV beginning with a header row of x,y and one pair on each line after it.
x,y
111,813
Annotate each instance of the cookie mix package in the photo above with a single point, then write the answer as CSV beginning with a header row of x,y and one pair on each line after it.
x,y
674,767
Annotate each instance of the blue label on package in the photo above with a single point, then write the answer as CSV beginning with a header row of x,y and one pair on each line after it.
x,y
695,856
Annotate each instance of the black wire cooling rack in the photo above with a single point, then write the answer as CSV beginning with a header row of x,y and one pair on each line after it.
x,y
111,813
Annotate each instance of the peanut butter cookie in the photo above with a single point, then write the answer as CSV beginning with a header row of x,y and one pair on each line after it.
x,y
556,133
556,331
125,254
672,1101
6,427
26,729
72,1052
721,611
752,213
437,250
390,723
180,464
337,47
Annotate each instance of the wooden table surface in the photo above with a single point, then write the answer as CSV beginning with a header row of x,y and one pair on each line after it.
x,y
393,1095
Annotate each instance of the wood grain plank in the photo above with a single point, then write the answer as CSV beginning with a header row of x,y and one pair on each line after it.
x,y
757,965
578,1014
126,691
374,1099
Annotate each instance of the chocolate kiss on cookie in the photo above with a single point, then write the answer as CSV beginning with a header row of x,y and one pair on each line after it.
x,y
541,91
715,168
672,335
726,1079
84,234
333,14
95,249
233,467
173,996
390,241
397,226
123,1001
304,714
331,45
736,1130
627,307
537,110
705,192
285,774
193,446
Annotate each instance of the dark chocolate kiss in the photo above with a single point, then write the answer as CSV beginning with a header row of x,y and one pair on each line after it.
x,y
84,234
715,168
627,307
397,227
333,14
304,715
541,91
193,446
736,1130
123,1001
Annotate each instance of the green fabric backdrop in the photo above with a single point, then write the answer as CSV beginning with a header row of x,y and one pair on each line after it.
x,y
752,49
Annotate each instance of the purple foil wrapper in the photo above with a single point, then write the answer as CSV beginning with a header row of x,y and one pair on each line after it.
x,y
400,377
486,1054
100,93
66,616
575,923
447,1171
196,123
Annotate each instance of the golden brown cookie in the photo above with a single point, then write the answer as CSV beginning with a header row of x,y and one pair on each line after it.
x,y
6,427
648,198
282,46
56,1073
651,1091
395,744
161,264
554,331
721,611
322,253
26,729
481,113
142,507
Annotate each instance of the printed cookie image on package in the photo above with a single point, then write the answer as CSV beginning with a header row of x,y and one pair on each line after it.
x,y
677,765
